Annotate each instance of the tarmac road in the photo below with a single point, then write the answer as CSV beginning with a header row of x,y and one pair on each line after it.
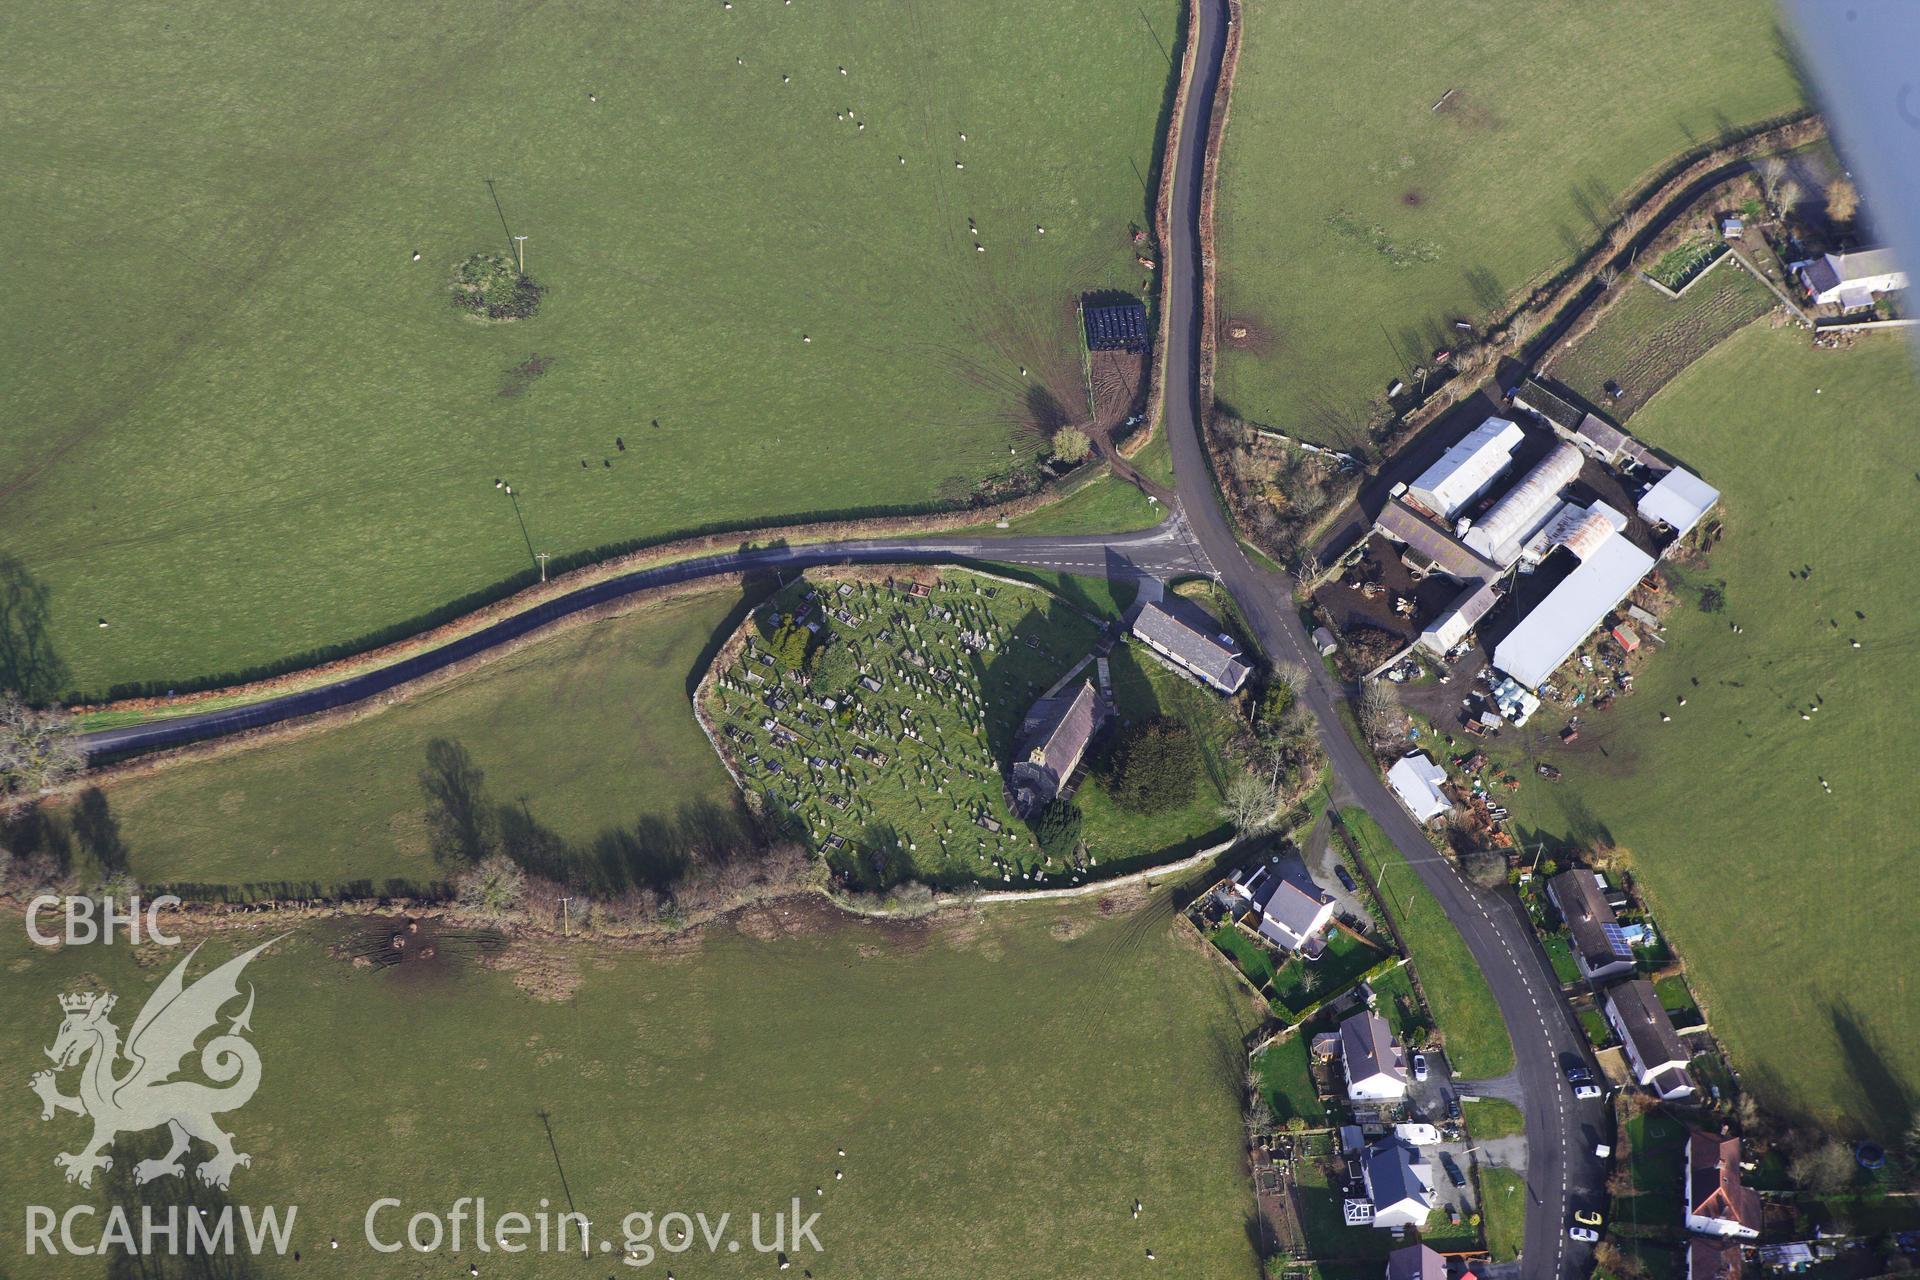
x,y
1561,1170
1161,551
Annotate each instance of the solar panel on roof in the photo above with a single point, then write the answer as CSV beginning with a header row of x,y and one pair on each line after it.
x,y
1617,941
1117,328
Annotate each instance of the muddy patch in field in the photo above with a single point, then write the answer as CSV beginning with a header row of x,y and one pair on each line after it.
x,y
413,948
1247,333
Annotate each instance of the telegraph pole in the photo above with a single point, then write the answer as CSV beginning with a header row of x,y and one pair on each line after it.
x,y
541,556
520,248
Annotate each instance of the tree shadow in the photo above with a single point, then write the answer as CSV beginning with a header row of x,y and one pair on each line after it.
x,y
98,832
460,823
28,664
656,852
183,1197
1485,288
1885,1095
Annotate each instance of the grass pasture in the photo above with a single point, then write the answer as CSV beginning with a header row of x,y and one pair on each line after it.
x,y
1477,1043
258,425
1644,339
1388,170
1722,808
1004,1086
593,727
916,760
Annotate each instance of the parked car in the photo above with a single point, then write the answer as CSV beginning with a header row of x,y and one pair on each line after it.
x,y
1454,1175
1341,874
1585,1235
1453,1107
1602,1150
1587,1218
1578,1075
1587,1091
1420,1066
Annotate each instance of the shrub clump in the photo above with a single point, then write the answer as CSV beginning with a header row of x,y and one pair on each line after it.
x,y
489,285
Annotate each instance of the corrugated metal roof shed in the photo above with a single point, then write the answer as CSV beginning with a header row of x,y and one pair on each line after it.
x,y
1679,500
1534,649
1464,471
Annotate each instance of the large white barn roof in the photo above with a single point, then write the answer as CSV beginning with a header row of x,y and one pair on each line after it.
x,y
1464,471
1534,649
1418,781
1679,499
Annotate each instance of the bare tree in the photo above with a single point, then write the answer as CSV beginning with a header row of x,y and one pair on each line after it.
x,y
38,749
1843,200
1377,711
1822,1169
1250,806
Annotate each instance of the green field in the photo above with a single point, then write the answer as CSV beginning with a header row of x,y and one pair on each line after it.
x,y
594,727
916,760
1476,1038
1356,222
1645,338
1106,505
1004,1087
258,426
1722,809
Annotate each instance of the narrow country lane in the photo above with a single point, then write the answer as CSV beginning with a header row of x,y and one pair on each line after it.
x,y
1163,550
1561,1167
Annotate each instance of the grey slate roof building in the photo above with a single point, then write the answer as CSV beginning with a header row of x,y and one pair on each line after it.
x,y
1376,1067
1188,637
1416,1262
1448,554
1654,1049
1052,742
1599,948
1399,1183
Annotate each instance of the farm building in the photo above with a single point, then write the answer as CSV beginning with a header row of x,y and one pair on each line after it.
x,y
1510,522
1120,327
1189,638
1533,650
1052,742
1678,500
1417,781
1408,527
1599,947
1453,626
1466,470
1653,1048
1718,1203
1291,916
1849,279
1375,1064
1591,432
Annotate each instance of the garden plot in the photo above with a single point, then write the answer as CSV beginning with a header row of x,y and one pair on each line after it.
x,y
879,713
1645,339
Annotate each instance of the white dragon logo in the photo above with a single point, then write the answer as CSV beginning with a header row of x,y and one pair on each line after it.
x,y
147,1096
